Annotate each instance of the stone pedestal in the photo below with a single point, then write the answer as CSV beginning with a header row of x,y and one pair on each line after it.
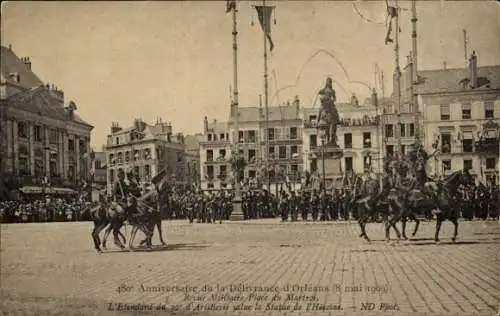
x,y
332,157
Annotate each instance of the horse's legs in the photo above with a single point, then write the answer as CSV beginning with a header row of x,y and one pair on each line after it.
x,y
158,225
404,219
454,220
106,234
132,237
439,221
95,235
116,226
417,224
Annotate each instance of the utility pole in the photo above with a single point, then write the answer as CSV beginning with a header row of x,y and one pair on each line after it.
x,y
237,213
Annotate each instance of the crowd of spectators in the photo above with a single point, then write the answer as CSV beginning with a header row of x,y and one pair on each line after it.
x,y
56,210
364,121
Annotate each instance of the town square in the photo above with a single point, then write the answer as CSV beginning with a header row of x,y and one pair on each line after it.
x,y
250,157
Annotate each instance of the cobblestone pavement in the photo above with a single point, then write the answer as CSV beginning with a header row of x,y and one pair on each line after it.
x,y
250,268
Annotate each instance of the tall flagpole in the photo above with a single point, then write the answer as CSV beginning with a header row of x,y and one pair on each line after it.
x,y
266,100
398,79
414,68
237,213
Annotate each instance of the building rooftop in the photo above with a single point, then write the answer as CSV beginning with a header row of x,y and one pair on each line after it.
x,y
11,64
450,80
40,100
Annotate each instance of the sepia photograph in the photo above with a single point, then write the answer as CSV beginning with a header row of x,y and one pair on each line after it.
x,y
234,157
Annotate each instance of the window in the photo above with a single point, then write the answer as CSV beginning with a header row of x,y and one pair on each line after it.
x,y
251,155
38,133
240,136
402,130
389,150
222,172
445,112
147,172
71,145
348,163
222,153
136,171
252,174
294,150
221,136
251,137
367,141
491,179
24,168
445,143
209,137
466,111
111,175
120,158
270,133
117,140
367,162
347,140
467,164
488,109
210,185
127,156
389,130
22,130
271,152
411,129
179,156
446,163
53,136
282,153
293,132
403,149
137,155
295,170
313,141
210,155
111,160
467,142
313,165
147,154
272,175
490,163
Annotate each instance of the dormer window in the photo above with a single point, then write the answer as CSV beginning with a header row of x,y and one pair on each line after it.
x,y
14,76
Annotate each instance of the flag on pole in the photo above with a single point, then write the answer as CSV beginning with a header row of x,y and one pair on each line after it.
x,y
230,5
392,12
264,13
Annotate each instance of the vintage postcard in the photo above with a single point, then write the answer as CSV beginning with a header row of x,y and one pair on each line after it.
x,y
250,158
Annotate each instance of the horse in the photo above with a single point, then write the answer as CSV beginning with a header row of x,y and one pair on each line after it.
x,y
447,201
147,216
103,215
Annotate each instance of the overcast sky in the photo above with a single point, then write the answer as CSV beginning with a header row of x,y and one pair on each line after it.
x,y
121,60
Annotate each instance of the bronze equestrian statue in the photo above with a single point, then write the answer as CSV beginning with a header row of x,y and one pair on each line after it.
x,y
328,116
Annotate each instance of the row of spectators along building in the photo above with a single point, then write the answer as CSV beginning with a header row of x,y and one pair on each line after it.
x,y
46,146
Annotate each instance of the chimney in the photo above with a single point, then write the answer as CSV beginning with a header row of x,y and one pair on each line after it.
x,y
296,102
473,70
205,124
27,62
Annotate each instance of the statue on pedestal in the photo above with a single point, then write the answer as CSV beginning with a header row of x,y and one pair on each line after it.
x,y
328,116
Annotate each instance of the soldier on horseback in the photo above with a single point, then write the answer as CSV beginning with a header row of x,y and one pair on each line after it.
x,y
120,193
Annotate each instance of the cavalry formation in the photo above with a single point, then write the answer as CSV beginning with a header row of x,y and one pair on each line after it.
x,y
404,193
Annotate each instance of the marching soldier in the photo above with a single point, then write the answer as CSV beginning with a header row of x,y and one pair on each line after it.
x,y
120,193
283,205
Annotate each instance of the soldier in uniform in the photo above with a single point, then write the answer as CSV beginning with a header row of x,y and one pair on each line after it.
x,y
283,205
120,193
293,205
315,205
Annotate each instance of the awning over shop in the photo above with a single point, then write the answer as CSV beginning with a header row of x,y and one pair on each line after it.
x,y
46,190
